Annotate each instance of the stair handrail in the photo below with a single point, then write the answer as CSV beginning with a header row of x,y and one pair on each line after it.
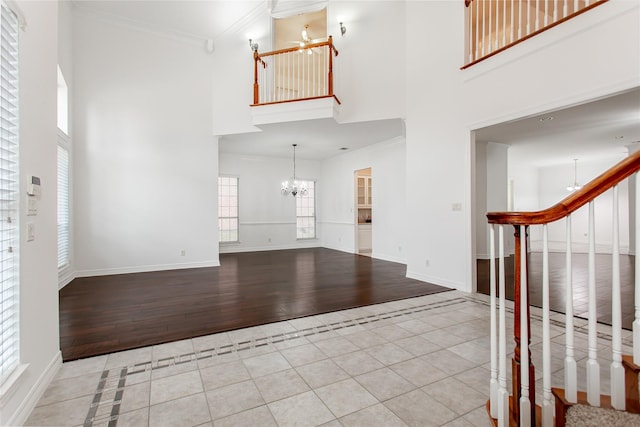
x,y
607,180
521,222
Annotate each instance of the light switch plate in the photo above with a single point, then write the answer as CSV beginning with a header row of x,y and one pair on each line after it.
x,y
31,232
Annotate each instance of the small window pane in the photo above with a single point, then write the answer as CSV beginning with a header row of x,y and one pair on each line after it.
x,y
227,209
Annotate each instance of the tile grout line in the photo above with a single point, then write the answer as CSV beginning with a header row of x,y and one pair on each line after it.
x,y
238,347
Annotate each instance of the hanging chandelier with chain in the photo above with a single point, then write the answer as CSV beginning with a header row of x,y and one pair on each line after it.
x,y
292,185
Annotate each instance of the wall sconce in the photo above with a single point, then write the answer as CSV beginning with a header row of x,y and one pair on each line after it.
x,y
343,29
253,45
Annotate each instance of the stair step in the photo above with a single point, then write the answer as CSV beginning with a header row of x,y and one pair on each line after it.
x,y
589,416
564,408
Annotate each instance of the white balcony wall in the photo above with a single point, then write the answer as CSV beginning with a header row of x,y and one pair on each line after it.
x,y
369,73
445,103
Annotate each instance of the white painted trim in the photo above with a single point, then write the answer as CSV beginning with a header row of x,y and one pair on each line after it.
x,y
146,268
390,258
337,222
268,223
310,109
9,385
306,243
27,405
578,248
341,249
438,281
65,276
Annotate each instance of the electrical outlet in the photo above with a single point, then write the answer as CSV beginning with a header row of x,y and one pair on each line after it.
x,y
31,232
427,263
183,252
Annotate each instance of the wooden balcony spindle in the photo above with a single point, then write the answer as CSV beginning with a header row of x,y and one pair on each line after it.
x,y
330,77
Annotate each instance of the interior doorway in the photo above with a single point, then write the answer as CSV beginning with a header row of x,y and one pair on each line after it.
x,y
364,212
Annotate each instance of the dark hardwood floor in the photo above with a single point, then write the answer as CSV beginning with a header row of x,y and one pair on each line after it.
x,y
557,284
105,314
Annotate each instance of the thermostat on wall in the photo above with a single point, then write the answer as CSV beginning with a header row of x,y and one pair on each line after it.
x,y
33,186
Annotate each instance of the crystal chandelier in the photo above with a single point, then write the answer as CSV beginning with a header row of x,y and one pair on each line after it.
x,y
575,186
293,186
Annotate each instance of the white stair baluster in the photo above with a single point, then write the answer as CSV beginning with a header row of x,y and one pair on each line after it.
x,y
525,403
489,37
593,368
617,371
519,19
555,10
503,394
570,366
512,23
493,384
547,403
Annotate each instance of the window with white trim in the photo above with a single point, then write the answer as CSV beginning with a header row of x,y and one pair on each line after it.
x,y
64,223
227,209
9,188
64,165
306,212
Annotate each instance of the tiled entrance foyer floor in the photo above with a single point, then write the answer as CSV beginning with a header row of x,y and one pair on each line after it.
x,y
421,362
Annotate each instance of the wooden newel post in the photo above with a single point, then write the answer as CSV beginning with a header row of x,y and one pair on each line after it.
x,y
515,364
256,88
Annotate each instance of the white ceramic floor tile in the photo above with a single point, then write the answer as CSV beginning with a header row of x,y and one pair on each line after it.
x,y
345,397
67,413
135,397
266,364
176,386
321,373
416,408
389,353
305,409
366,339
70,388
357,363
455,395
303,355
260,416
184,412
80,367
336,346
417,345
171,349
418,371
384,383
128,357
233,399
280,385
217,376
373,416
137,418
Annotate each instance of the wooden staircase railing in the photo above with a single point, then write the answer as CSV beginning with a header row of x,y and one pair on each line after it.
x,y
521,409
294,74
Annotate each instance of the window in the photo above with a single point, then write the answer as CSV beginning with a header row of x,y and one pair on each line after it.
x,y
9,237
227,209
64,150
306,212
63,204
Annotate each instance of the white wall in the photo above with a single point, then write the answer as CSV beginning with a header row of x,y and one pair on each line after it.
x,y
568,64
145,159
491,186
554,179
267,219
390,223
39,343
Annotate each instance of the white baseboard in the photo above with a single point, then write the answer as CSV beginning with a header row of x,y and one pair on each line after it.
x,y
390,258
31,400
339,248
232,249
438,281
146,268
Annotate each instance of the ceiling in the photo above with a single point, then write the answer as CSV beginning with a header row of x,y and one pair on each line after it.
x,y
591,130
316,139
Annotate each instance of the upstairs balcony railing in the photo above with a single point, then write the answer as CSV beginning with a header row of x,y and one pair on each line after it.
x,y
496,25
294,74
